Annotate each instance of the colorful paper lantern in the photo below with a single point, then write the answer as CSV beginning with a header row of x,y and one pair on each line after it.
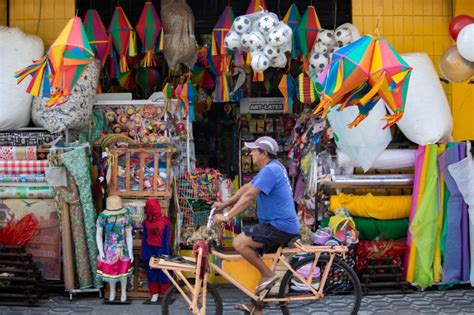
x,y
123,37
148,29
97,35
292,18
287,89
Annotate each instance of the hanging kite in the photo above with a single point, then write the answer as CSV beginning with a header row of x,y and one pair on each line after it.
x,y
123,37
188,96
389,76
97,35
62,65
292,19
255,6
287,88
307,33
148,29
348,70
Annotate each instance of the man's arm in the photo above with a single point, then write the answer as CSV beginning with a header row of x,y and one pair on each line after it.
x,y
243,203
232,200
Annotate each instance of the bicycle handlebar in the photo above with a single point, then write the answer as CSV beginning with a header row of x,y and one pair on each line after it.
x,y
209,220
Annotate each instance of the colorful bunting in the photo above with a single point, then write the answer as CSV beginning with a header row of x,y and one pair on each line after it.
x,y
123,37
97,35
287,88
64,62
148,29
292,19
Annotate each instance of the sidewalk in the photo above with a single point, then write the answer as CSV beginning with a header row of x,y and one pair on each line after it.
x,y
432,302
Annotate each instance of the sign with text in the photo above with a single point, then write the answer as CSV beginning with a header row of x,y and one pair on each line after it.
x,y
262,105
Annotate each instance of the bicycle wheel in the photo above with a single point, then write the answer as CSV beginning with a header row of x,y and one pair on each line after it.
x,y
342,291
173,302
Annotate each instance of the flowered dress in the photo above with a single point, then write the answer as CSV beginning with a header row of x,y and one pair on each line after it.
x,y
116,264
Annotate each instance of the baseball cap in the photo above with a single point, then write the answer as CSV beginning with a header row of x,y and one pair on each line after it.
x,y
264,143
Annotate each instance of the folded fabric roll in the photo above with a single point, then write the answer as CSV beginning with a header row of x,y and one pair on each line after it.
x,y
17,153
23,167
22,178
373,229
370,206
26,192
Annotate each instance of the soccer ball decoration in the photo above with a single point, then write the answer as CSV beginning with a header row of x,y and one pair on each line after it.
x,y
271,52
241,24
259,62
266,24
320,48
263,36
279,61
232,41
256,41
326,37
343,36
317,62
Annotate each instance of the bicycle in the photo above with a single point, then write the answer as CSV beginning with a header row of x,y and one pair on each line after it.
x,y
319,276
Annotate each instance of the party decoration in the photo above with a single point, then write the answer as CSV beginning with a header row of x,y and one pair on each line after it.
x,y
465,42
305,91
97,35
220,31
454,67
123,37
287,89
168,93
64,62
148,29
292,19
389,77
457,24
188,96
255,6
307,32
147,78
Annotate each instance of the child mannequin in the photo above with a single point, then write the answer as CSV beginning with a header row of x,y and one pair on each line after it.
x,y
116,252
156,241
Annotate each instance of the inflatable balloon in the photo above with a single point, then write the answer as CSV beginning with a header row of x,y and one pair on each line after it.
x,y
427,117
457,24
454,67
465,42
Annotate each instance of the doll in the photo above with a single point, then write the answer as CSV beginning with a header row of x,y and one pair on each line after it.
x,y
156,241
115,245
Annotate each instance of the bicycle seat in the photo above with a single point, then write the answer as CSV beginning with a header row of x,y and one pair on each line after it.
x,y
291,242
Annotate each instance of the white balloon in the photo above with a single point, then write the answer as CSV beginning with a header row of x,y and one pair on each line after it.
x,y
465,42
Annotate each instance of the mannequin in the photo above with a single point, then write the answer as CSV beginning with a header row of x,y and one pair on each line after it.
x,y
116,251
156,241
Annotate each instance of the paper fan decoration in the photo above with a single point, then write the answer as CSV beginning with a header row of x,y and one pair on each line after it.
x,y
62,65
123,37
148,29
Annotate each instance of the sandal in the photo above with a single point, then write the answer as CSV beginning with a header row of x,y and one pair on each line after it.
x,y
245,308
267,284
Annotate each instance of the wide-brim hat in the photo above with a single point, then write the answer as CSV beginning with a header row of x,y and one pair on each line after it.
x,y
114,206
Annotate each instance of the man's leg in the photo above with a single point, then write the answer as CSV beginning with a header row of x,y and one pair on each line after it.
x,y
247,247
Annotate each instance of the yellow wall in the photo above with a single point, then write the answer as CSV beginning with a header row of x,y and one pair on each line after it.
x,y
3,12
463,93
46,22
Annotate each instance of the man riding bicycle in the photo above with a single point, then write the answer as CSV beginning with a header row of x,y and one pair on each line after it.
x,y
278,222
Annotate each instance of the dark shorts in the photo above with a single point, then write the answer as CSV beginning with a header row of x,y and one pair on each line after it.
x,y
269,236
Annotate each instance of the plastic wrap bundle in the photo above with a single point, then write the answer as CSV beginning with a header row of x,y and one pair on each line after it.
x,y
179,40
262,35
365,143
18,50
427,118
76,111
328,41
388,160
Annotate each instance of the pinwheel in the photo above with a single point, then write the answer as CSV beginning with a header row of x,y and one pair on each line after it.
x,y
307,32
389,76
64,62
348,70
188,96
97,35
123,37
148,29
305,90
255,6
287,88
292,19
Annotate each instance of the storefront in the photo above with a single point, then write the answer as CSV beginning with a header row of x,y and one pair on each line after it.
x,y
155,101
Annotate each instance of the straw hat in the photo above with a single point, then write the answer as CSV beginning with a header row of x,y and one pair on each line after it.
x,y
114,206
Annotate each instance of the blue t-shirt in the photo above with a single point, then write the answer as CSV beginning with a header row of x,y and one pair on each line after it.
x,y
275,203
